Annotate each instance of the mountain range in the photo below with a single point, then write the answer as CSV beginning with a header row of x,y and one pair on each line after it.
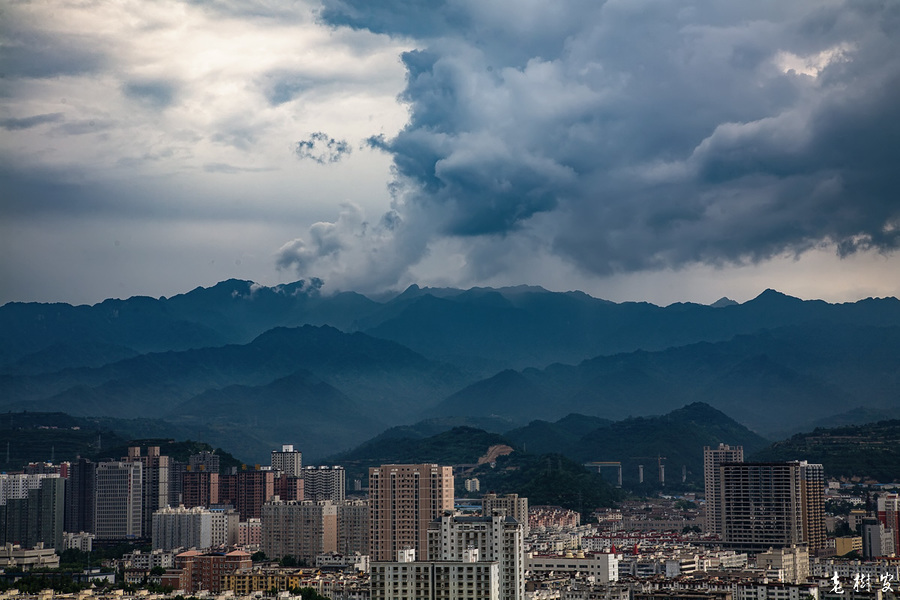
x,y
249,367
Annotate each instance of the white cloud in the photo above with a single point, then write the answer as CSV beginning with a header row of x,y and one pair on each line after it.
x,y
813,64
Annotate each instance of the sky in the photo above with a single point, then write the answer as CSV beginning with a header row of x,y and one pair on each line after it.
x,y
650,150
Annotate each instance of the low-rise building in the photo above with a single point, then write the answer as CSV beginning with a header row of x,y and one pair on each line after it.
x,y
13,555
603,567
195,571
353,563
78,541
792,562
149,560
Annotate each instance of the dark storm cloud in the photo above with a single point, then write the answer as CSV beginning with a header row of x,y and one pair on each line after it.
x,y
322,149
28,53
29,122
404,17
648,134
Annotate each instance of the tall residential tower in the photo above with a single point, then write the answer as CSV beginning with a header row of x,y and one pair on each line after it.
x,y
712,458
403,500
772,505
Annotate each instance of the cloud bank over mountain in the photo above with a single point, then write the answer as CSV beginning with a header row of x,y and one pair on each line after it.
x,y
634,149
628,136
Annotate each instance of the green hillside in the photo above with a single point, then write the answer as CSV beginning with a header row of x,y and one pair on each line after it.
x,y
58,437
548,479
859,452
44,437
460,445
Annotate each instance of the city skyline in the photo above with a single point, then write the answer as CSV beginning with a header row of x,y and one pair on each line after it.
x,y
663,152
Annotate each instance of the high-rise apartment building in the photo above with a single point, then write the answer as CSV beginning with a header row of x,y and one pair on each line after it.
x,y
247,491
289,488
497,538
155,484
510,505
196,527
250,532
199,488
403,500
324,483
409,579
117,500
177,469
288,461
302,529
353,527
771,505
889,515
36,517
812,491
876,540
17,485
204,461
712,458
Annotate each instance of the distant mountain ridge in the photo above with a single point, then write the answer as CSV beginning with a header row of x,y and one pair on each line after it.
x,y
771,381
513,327
281,384
217,357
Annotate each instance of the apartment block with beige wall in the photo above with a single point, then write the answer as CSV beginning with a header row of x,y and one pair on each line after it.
x,y
302,529
403,500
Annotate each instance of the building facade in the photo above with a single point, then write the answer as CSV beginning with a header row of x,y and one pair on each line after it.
x,y
288,461
79,511
199,488
117,500
712,458
324,483
771,505
196,527
353,527
499,539
408,579
37,518
889,515
793,563
195,571
204,461
247,491
403,500
302,529
510,505
602,566
155,482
